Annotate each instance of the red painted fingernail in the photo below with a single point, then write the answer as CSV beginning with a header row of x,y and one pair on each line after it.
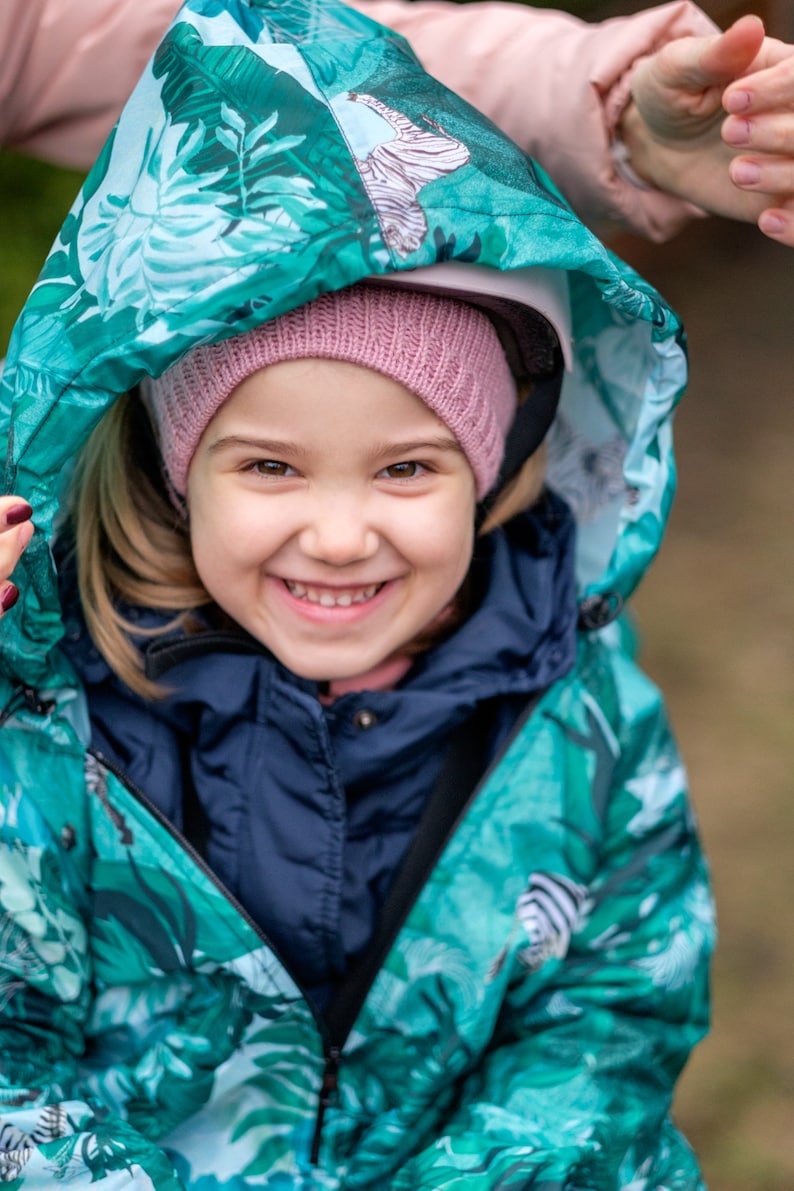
x,y
9,597
19,513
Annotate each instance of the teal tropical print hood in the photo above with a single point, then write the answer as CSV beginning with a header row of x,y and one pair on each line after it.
x,y
269,154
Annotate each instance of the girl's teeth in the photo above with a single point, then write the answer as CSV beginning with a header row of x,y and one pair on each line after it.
x,y
327,600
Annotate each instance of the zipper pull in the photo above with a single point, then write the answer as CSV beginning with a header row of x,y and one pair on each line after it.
x,y
35,703
328,1091
25,696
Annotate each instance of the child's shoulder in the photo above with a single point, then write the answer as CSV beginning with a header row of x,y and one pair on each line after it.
x,y
607,670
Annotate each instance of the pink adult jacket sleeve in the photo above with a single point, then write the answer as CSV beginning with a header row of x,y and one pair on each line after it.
x,y
555,84
68,66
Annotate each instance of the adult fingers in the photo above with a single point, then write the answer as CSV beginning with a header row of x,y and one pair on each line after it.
x,y
679,90
727,56
772,132
778,223
768,85
766,175
16,530
771,180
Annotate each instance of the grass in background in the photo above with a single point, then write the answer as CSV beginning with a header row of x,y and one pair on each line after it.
x,y
34,200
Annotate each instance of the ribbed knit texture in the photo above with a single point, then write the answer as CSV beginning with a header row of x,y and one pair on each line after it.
x,y
443,350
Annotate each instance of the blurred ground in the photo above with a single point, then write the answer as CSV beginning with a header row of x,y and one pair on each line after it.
x,y
718,624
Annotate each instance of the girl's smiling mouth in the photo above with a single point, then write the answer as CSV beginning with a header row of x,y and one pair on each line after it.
x,y
326,597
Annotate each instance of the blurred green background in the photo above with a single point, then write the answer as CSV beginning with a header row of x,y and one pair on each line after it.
x,y
717,621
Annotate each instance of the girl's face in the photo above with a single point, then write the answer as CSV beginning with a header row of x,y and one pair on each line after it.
x,y
331,514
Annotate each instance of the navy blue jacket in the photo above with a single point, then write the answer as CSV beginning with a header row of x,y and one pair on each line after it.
x,y
304,811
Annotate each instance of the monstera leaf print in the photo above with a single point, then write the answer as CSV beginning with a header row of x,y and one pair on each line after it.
x,y
150,917
148,267
42,935
271,137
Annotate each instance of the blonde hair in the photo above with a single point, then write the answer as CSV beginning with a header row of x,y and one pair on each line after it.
x,y
133,545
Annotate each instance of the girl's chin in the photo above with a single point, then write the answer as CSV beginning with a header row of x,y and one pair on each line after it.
x,y
351,674
381,677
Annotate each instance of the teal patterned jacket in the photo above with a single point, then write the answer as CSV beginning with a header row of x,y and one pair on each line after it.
x,y
527,1022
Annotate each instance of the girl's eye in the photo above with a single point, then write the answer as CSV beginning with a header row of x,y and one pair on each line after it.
x,y
271,467
403,471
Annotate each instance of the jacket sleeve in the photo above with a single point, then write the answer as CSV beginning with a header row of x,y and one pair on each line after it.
x,y
68,66
557,86
553,83
51,1129
576,1088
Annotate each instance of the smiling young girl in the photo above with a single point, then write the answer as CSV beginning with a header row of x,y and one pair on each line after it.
x,y
367,535
342,845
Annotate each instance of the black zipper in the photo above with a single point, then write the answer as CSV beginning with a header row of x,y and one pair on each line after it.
x,y
465,771
328,1090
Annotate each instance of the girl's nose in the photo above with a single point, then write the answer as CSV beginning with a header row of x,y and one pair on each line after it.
x,y
338,534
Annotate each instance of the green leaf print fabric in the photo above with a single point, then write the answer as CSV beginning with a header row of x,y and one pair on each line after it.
x,y
528,1024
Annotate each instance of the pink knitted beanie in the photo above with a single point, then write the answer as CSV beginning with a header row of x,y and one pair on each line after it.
x,y
445,351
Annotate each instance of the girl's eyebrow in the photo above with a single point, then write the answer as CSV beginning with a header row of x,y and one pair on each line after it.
x,y
275,447
441,442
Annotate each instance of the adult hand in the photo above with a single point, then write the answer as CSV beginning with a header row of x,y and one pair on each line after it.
x,y
679,138
16,530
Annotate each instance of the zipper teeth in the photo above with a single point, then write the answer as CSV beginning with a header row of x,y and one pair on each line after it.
x,y
216,882
338,1034
328,1091
338,1037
